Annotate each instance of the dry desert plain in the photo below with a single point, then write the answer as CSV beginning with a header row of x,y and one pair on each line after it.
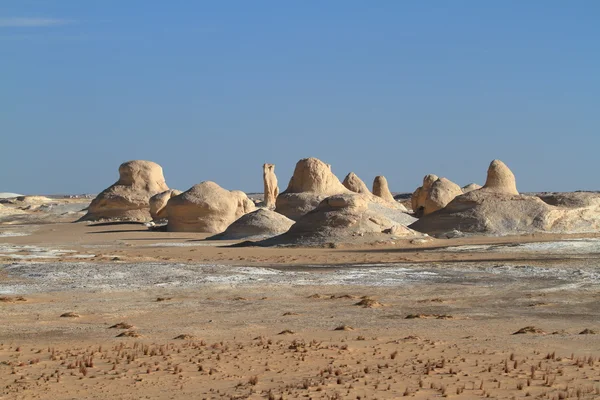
x,y
95,311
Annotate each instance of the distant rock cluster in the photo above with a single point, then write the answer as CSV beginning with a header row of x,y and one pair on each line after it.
x,y
317,209
497,208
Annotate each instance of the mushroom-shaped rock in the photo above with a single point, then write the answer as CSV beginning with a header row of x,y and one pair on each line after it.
x,y
442,192
311,182
158,203
270,185
500,179
206,207
381,189
128,199
470,187
353,183
346,218
420,195
259,224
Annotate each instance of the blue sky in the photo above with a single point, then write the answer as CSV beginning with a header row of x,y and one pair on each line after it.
x,y
213,89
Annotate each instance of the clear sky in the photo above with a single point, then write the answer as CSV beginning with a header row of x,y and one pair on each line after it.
x,y
213,89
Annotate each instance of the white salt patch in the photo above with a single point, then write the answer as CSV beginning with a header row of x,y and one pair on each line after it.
x,y
183,244
35,252
53,276
13,234
569,246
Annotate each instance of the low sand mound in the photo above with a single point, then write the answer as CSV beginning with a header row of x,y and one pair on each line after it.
x,y
259,224
346,219
158,203
496,210
311,182
128,199
206,207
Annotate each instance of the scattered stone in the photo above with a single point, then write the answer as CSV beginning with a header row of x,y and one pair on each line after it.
x,y
429,316
434,300
184,336
121,325
346,296
318,296
344,328
588,331
8,299
529,329
133,334
421,241
69,315
369,303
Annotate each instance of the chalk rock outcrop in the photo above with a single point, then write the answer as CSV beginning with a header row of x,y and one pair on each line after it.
x,y
470,187
346,218
381,189
418,198
35,200
158,203
353,183
206,207
270,184
496,209
356,185
442,192
259,224
500,179
128,199
8,195
311,182
10,211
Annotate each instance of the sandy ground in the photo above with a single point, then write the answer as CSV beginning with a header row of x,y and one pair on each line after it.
x,y
284,323
133,242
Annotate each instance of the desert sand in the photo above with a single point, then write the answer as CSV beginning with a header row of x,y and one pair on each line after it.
x,y
371,310
117,311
